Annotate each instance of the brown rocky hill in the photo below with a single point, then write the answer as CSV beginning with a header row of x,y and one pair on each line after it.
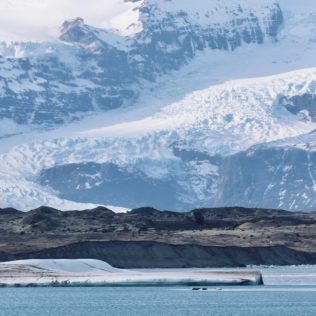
x,y
148,238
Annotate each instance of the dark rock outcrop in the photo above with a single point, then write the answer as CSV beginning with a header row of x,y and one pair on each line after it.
x,y
160,255
148,238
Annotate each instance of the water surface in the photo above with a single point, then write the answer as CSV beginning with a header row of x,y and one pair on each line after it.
x,y
235,301
290,291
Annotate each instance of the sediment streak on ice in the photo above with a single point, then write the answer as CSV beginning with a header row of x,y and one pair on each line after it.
x,y
95,272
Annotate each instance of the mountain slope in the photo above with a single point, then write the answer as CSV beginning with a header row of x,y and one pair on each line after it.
x,y
215,88
93,69
174,159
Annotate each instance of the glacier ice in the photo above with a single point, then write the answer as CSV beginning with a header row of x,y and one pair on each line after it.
x,y
172,114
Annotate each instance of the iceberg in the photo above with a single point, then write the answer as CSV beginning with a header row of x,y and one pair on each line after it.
x,y
88,272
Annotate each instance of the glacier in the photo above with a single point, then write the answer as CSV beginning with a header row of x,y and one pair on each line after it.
x,y
202,104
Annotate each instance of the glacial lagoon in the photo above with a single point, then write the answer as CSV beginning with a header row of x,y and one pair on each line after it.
x,y
288,291
271,300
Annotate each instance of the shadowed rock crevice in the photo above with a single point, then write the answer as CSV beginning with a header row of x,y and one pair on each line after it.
x,y
159,255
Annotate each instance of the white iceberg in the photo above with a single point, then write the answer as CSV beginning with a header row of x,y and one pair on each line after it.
x,y
88,272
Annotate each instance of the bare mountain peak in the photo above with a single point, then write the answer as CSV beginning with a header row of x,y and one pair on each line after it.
x,y
76,31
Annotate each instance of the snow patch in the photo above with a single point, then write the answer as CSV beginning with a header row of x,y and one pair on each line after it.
x,y
68,265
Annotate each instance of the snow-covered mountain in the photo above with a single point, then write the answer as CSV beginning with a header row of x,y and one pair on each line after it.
x,y
94,69
189,104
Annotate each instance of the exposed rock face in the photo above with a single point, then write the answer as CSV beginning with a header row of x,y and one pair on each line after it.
x,y
303,105
146,255
185,32
278,176
109,184
76,31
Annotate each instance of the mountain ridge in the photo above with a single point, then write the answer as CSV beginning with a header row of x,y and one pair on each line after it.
x,y
108,67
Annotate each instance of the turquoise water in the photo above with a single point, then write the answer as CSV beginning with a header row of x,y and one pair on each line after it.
x,y
252,301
